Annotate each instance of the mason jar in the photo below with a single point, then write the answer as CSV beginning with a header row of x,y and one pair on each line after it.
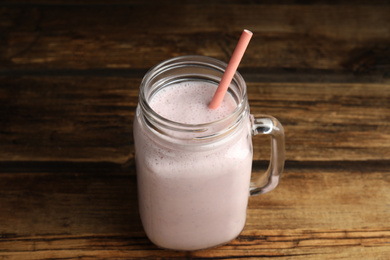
x,y
194,180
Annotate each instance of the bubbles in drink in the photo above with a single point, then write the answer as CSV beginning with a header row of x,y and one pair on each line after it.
x,y
193,98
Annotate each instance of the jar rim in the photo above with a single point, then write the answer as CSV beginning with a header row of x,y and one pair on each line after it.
x,y
195,60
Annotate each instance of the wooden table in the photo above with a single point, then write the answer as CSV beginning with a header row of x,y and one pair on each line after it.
x,y
69,77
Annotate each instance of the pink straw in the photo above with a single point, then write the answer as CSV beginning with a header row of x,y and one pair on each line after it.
x,y
231,69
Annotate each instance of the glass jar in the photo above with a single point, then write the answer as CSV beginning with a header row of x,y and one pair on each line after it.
x,y
194,180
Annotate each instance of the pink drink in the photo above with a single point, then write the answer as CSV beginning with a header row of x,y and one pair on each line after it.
x,y
192,196
194,163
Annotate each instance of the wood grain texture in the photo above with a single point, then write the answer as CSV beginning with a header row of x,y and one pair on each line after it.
x,y
94,215
69,78
90,119
317,37
63,119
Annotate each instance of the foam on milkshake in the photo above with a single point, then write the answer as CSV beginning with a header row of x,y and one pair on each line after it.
x,y
187,103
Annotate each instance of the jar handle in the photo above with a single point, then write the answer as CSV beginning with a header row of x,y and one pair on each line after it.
x,y
268,125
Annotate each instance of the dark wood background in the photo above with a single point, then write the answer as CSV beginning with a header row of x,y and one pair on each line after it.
x,y
69,77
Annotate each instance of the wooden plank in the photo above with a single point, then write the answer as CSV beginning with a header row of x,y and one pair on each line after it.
x,y
67,119
316,212
114,247
89,119
203,2
329,195
329,38
74,203
323,121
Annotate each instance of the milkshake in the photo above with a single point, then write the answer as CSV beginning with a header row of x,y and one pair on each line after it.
x,y
194,163
193,198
